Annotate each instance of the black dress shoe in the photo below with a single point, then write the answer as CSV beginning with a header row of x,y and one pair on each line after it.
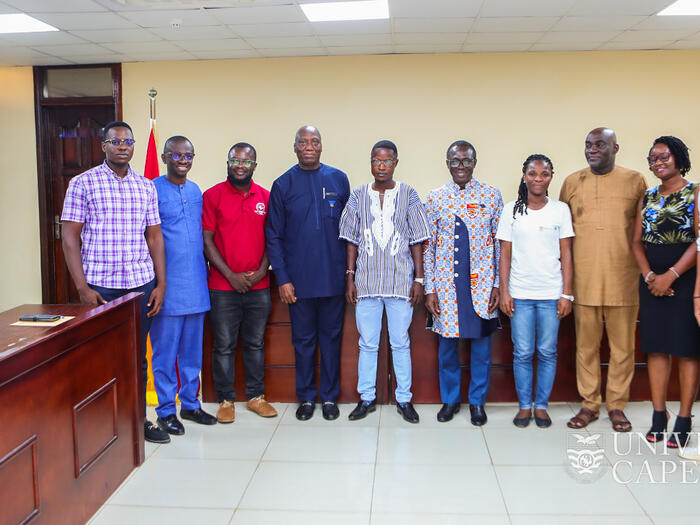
x,y
153,434
362,409
447,412
198,416
330,410
305,411
478,415
171,424
407,411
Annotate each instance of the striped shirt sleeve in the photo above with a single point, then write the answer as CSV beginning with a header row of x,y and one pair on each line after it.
x,y
350,220
418,230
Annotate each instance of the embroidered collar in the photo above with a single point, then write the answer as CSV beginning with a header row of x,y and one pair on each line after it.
x,y
383,216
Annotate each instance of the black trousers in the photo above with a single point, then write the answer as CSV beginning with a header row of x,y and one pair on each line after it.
x,y
317,320
233,313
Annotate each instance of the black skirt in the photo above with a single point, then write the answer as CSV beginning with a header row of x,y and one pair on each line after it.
x,y
667,325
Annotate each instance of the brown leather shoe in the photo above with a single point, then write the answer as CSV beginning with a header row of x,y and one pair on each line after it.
x,y
226,412
261,407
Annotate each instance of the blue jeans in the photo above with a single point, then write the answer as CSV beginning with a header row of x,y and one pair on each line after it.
x,y
231,314
451,374
368,316
534,322
110,294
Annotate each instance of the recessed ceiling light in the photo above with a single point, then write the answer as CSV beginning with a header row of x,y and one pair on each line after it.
x,y
338,11
681,8
21,23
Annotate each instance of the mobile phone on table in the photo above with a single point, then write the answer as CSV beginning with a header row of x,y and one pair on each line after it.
x,y
39,318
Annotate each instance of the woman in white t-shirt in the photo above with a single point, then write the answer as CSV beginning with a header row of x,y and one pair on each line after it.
x,y
536,270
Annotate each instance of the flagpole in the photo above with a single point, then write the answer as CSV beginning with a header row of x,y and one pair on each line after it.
x,y
150,171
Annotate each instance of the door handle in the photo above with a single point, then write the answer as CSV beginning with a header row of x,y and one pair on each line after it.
x,y
56,227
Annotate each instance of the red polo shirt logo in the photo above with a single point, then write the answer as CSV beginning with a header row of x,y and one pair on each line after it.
x,y
260,208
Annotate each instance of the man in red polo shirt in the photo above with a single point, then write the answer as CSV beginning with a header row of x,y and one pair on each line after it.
x,y
233,224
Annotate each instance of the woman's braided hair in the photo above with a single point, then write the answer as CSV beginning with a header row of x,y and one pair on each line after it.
x,y
521,202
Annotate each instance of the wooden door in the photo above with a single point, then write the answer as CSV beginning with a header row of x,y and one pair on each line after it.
x,y
72,105
74,146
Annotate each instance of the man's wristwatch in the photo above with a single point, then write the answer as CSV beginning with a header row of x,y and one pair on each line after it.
x,y
569,297
418,280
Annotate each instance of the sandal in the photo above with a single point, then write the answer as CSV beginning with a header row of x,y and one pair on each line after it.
x,y
585,417
619,422
659,424
680,434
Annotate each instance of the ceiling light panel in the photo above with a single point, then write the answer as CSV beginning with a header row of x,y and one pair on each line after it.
x,y
682,8
21,23
338,11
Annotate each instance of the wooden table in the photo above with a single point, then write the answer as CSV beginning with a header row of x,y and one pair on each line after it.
x,y
71,424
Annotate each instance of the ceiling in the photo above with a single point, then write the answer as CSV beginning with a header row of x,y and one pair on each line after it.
x,y
96,31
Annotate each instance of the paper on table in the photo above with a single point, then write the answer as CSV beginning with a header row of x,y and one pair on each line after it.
x,y
63,319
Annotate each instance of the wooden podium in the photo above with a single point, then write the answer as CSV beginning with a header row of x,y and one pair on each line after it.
x,y
71,428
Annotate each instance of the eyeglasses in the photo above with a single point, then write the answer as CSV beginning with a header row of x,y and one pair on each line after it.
x,y
388,163
456,163
663,157
118,142
177,156
301,144
245,163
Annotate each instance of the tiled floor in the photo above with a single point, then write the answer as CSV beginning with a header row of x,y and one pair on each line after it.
x,y
384,471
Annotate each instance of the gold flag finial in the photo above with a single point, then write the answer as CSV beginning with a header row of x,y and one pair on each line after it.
x,y
152,94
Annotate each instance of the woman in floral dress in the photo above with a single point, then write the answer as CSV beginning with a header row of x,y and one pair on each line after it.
x,y
664,246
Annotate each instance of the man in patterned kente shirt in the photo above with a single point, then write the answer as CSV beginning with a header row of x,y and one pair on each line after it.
x,y
461,278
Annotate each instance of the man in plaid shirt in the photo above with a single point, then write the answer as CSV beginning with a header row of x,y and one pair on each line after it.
x,y
112,240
